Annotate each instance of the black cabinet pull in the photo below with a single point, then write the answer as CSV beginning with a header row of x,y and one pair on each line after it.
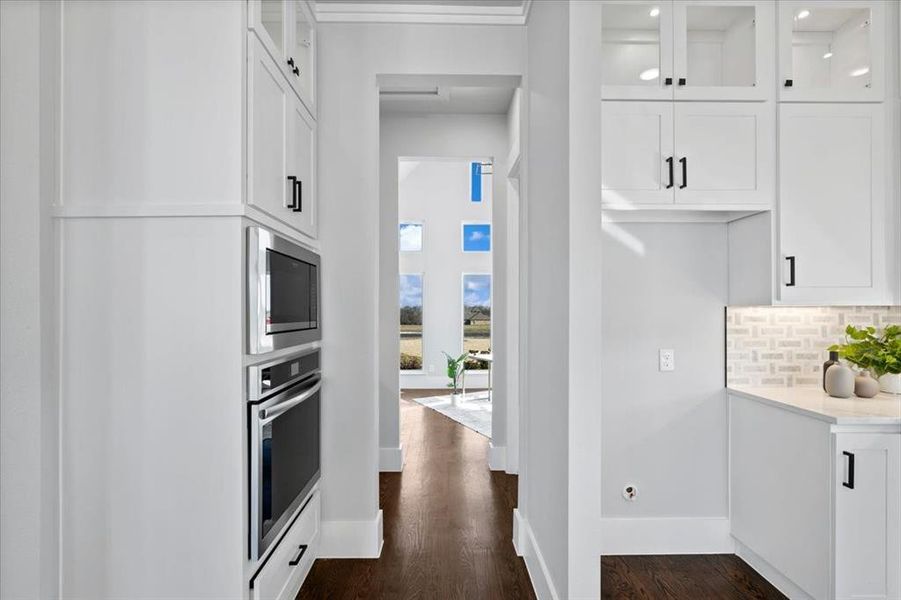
x,y
669,161
684,162
850,483
293,181
296,560
682,81
296,71
298,195
789,83
291,62
668,81
791,271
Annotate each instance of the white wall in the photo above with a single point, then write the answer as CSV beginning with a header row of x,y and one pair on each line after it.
x,y
350,58
665,286
544,437
436,194
29,471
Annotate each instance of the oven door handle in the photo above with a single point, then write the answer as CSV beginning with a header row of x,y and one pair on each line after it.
x,y
267,414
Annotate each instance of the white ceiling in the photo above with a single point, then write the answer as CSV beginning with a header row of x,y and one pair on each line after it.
x,y
501,12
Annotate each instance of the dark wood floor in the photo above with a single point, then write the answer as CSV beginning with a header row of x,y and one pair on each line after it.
x,y
701,577
447,523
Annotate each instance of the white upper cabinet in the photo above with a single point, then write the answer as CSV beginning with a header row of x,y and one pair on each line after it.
x,y
833,205
286,30
637,161
687,50
832,51
725,153
637,50
724,50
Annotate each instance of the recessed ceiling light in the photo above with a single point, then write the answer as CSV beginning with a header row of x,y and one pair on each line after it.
x,y
654,12
803,14
860,71
649,75
828,54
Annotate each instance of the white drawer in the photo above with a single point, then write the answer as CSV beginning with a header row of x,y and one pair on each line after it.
x,y
279,578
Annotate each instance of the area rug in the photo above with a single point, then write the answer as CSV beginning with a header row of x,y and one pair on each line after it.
x,y
473,411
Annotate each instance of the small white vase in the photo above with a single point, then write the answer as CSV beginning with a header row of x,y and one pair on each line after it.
x,y
839,381
890,383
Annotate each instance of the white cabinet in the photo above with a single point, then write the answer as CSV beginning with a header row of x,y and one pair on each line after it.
x,y
832,50
823,531
867,515
687,50
832,205
285,29
698,153
636,153
724,153
281,145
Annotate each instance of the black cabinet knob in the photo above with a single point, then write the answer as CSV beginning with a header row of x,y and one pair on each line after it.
x,y
291,61
682,81
296,71
788,83
668,81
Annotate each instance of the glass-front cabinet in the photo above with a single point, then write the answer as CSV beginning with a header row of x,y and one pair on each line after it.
x,y
637,50
285,28
832,51
687,50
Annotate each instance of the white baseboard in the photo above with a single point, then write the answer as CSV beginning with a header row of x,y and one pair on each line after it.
x,y
705,535
352,539
770,573
526,547
392,460
497,457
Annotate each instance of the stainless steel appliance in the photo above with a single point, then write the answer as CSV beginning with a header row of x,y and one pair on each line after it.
x,y
284,432
282,293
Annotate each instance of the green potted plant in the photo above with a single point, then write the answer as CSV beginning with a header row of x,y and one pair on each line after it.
x,y
877,353
454,370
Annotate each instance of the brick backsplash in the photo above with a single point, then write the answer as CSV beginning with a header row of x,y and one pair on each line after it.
x,y
786,346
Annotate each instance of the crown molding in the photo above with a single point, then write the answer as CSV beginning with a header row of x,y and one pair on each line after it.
x,y
377,12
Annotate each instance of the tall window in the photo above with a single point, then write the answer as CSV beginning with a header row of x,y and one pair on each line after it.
x,y
476,313
411,322
410,237
476,237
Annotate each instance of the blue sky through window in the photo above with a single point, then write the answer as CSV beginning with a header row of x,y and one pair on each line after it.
x,y
477,237
411,290
477,290
410,237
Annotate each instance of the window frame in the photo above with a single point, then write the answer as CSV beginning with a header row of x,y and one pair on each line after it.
x,y
490,249
463,276
421,224
421,370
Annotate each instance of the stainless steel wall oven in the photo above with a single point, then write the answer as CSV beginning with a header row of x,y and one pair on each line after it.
x,y
284,434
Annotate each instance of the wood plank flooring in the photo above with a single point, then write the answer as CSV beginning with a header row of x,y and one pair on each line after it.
x,y
448,523
677,577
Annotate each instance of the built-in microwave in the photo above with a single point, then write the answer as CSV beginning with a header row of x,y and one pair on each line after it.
x,y
282,293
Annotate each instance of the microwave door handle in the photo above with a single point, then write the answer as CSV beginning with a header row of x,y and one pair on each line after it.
x,y
267,414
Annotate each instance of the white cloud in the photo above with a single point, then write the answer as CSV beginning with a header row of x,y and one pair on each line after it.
x,y
476,236
410,237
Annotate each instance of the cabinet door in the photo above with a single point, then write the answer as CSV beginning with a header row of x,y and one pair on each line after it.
x,y
868,516
302,165
724,153
832,50
637,50
723,49
302,70
269,97
832,204
637,153
270,20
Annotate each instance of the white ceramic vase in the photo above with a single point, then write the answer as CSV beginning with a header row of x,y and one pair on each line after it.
x,y
890,383
839,381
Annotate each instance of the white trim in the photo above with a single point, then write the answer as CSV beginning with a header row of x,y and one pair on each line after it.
x,y
526,547
373,12
770,573
352,539
420,380
497,457
392,460
668,535
128,209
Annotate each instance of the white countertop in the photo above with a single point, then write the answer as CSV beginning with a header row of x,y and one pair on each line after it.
x,y
884,409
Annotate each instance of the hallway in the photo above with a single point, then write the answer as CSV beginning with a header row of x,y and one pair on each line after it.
x,y
447,522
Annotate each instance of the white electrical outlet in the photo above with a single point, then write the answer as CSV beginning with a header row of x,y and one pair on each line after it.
x,y
431,369
667,359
